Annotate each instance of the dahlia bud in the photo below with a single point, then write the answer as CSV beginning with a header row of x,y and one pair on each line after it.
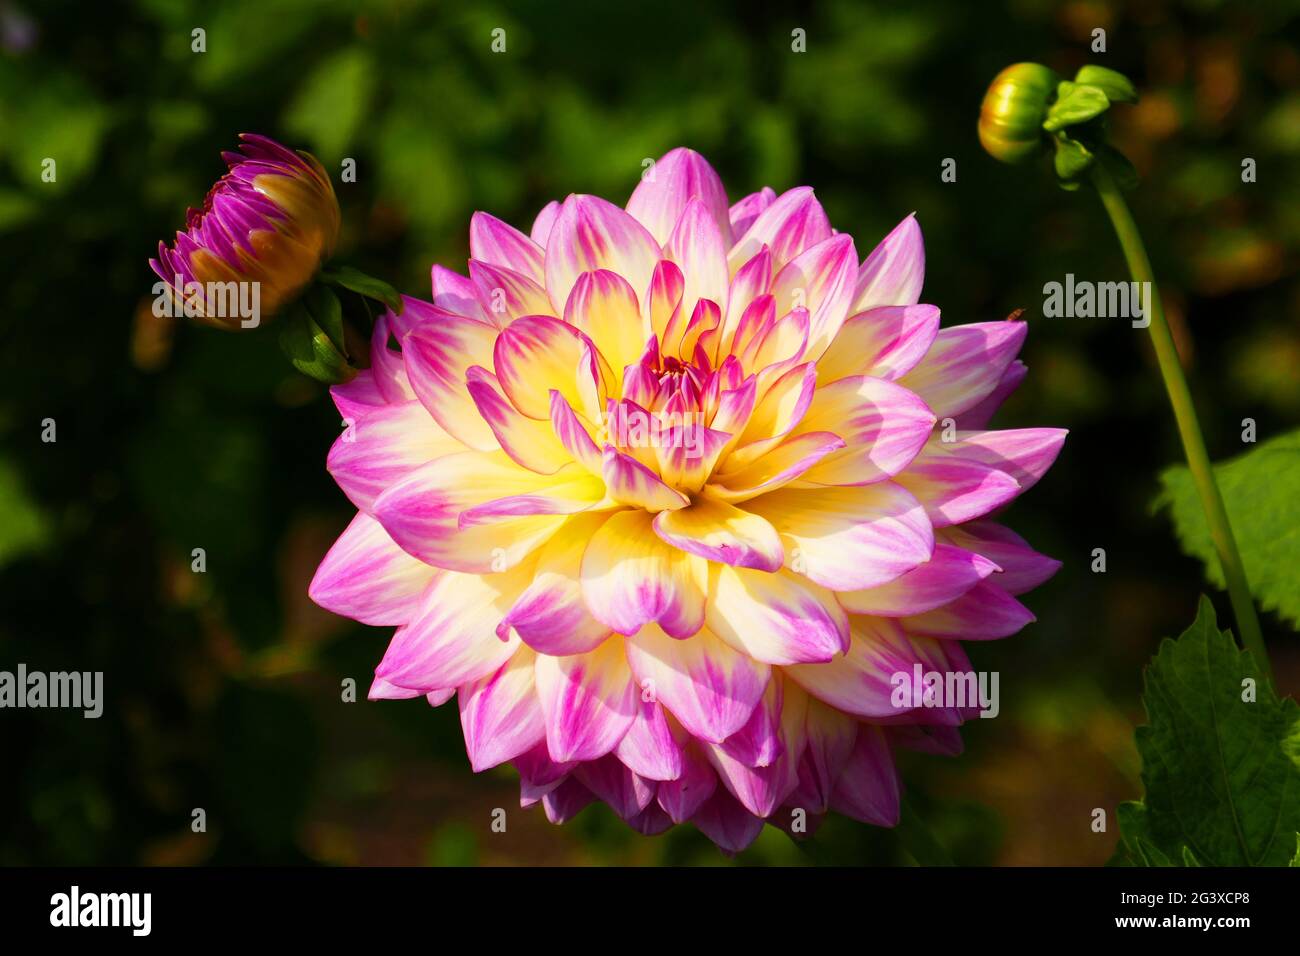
x,y
263,233
1014,110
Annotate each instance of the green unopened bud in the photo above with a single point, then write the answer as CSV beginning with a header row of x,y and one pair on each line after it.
x,y
1014,110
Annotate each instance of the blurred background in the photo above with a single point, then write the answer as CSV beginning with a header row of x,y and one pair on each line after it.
x,y
224,687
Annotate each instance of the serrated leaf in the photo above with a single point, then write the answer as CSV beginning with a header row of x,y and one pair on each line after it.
x,y
1079,105
1261,490
1117,87
1221,774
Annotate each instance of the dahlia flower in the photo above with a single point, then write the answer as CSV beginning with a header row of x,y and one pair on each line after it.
x,y
662,496
269,222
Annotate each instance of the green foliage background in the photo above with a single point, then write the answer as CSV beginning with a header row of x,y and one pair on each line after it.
x,y
224,687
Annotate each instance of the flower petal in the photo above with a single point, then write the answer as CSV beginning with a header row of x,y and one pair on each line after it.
x,y
965,365
590,233
529,442
949,574
978,416
501,244
649,748
819,279
846,539
604,307
507,295
699,246
685,794
723,820
550,616
883,425
437,355
776,618
984,613
539,354
859,682
500,714
954,490
885,342
450,641
868,789
710,688
744,212
541,231
631,483
761,789
680,176
627,793
722,532
795,221
367,577
895,270
384,445
783,464
1023,568
589,701
422,512
631,578
1023,453
831,738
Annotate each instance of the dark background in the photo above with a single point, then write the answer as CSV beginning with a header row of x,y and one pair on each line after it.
x,y
223,688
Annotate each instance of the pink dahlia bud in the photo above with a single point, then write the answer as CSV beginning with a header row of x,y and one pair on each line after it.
x,y
264,230
687,506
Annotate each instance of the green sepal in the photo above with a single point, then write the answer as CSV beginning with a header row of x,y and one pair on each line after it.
x,y
1117,87
1074,105
327,312
311,350
354,280
1071,161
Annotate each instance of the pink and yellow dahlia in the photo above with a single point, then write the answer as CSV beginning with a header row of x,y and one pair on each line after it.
x,y
665,497
272,219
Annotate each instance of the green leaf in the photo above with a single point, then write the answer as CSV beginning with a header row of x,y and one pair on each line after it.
x,y
311,350
1072,158
1078,105
1220,766
1261,490
332,102
24,528
354,280
1117,87
327,312
1295,860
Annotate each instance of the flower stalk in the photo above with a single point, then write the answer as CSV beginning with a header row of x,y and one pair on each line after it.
x,y
1021,116
1189,428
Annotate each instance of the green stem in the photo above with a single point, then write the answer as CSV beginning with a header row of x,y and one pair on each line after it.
x,y
1189,429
